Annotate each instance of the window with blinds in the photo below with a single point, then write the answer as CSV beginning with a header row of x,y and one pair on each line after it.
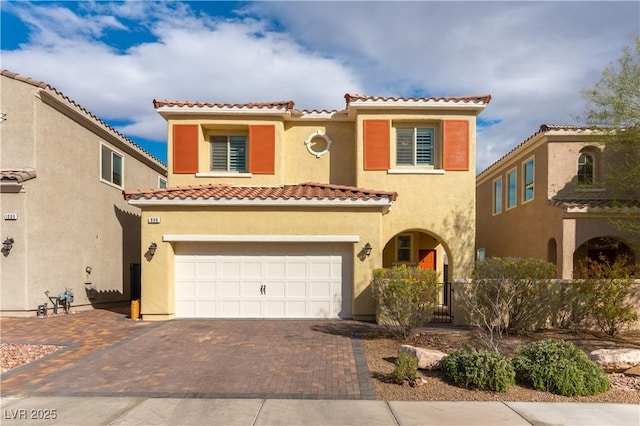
x,y
415,146
228,153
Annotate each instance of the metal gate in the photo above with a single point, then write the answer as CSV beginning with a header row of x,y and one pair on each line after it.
x,y
443,313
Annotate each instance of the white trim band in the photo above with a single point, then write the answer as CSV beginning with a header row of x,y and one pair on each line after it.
x,y
258,202
262,238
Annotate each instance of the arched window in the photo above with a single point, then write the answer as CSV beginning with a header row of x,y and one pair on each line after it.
x,y
586,169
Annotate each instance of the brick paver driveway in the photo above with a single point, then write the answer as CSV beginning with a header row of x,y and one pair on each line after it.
x,y
107,354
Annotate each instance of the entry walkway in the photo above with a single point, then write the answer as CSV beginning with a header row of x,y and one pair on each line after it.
x,y
249,412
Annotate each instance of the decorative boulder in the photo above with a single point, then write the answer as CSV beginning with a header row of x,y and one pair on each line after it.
x,y
616,359
428,359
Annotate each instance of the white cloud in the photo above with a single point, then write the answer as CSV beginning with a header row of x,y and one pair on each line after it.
x,y
532,57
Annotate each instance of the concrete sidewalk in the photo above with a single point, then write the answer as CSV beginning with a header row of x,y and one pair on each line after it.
x,y
171,411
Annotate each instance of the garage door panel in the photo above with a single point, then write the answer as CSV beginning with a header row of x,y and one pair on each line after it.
x,y
206,309
251,269
205,289
296,289
225,280
230,269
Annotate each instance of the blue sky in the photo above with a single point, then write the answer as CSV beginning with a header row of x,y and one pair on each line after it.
x,y
114,58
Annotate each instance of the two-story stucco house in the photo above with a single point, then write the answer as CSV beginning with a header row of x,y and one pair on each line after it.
x,y
65,224
547,199
281,213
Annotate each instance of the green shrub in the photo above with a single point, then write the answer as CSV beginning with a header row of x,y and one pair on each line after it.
x,y
405,297
559,367
604,288
479,369
406,368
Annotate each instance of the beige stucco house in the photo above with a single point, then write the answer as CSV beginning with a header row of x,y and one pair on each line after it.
x,y
547,199
62,173
274,212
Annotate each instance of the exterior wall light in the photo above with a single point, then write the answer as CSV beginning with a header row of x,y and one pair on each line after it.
x,y
7,245
152,249
367,249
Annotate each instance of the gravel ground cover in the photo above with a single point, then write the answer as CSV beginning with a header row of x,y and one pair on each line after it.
x,y
381,353
14,355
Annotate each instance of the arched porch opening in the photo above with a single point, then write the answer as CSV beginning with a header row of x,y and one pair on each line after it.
x,y
427,251
601,249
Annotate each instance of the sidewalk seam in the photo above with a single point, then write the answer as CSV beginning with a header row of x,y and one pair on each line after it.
x,y
393,415
255,418
515,411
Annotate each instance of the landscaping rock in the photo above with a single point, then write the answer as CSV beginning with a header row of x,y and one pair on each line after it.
x,y
616,359
428,359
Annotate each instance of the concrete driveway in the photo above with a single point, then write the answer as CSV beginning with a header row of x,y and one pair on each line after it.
x,y
106,354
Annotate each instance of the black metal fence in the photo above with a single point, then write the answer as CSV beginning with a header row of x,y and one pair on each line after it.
x,y
443,313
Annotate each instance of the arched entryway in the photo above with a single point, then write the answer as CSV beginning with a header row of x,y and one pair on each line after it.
x,y
601,249
424,250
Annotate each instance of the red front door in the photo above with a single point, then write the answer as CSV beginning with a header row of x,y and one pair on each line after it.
x,y
427,259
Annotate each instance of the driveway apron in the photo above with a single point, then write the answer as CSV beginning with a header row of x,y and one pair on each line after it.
x,y
106,354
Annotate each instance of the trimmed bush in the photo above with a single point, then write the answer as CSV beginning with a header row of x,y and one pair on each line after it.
x,y
405,297
406,368
559,367
479,369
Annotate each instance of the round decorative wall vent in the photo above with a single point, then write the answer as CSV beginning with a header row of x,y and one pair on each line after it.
x,y
318,143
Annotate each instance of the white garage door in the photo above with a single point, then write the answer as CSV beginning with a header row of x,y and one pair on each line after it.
x,y
262,281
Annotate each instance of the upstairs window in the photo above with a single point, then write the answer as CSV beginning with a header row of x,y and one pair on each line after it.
x,y
111,166
586,169
497,196
228,153
415,146
162,182
528,180
512,188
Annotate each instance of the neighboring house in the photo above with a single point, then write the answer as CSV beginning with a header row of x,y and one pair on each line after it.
x,y
62,173
547,199
241,231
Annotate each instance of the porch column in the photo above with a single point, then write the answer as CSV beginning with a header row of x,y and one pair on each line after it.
x,y
568,247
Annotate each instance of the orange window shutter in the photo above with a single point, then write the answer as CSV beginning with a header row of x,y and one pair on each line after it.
x,y
185,148
456,145
376,135
262,149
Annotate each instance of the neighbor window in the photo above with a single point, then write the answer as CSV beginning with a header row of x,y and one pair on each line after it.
x,y
497,196
111,166
415,146
586,169
512,188
404,248
480,254
228,153
528,180
162,182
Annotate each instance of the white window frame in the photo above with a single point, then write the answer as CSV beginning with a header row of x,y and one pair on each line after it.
x,y
435,152
160,180
524,198
112,153
513,172
228,171
407,261
495,195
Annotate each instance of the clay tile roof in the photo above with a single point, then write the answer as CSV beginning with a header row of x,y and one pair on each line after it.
x,y
92,116
485,99
158,103
307,191
593,203
543,129
17,176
